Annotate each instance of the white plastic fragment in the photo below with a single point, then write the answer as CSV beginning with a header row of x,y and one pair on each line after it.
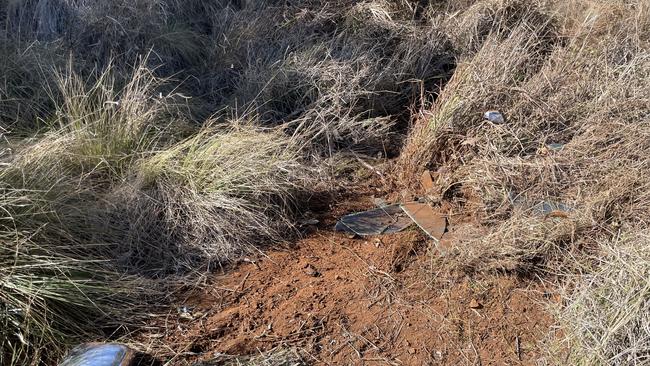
x,y
495,117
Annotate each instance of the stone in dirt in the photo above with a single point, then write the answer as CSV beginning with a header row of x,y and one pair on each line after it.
x,y
474,304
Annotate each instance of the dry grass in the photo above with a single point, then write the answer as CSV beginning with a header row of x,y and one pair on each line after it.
x,y
54,289
275,357
606,317
576,77
211,198
124,147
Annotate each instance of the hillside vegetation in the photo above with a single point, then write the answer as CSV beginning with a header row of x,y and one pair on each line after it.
x,y
148,142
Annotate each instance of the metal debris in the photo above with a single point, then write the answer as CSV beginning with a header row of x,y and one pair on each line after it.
x,y
309,222
428,220
427,181
380,202
495,117
100,354
549,207
555,147
384,220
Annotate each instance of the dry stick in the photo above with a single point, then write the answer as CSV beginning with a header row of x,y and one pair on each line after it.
x,y
478,357
241,285
518,347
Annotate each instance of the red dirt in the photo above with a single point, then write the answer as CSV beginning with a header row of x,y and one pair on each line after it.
x,y
367,301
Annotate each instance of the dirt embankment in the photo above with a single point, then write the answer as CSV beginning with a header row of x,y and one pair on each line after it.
x,y
342,300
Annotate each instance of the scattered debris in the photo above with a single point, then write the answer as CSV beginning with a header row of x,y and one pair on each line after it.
x,y
393,219
474,304
428,220
518,348
384,220
100,354
309,222
427,181
555,147
557,214
495,117
185,313
380,202
378,243
471,141
517,200
549,208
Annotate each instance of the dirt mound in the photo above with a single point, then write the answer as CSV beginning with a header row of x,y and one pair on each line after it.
x,y
366,301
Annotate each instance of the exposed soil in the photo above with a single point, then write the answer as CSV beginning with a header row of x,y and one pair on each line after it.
x,y
369,301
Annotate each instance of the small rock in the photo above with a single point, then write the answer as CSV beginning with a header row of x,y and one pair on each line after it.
x,y
412,351
186,316
474,304
495,117
310,270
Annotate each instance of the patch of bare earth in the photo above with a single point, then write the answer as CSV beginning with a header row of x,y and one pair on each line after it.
x,y
370,301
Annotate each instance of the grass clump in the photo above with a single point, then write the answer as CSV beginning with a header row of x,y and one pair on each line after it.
x,y
215,196
606,315
53,292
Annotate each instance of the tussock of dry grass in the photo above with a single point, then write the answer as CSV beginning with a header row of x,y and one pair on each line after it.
x,y
213,197
54,289
276,357
585,93
606,316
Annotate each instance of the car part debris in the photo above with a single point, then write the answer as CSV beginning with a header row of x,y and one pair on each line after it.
x,y
380,202
384,220
427,181
495,117
309,222
547,208
100,354
428,220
